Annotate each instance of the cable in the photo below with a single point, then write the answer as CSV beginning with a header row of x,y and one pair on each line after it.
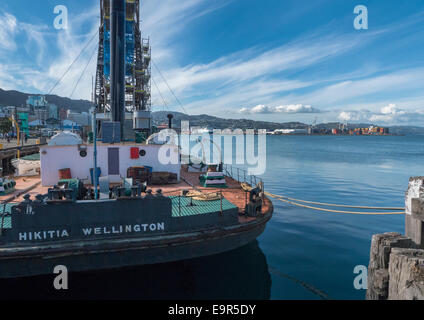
x,y
160,73
69,68
82,73
304,284
164,102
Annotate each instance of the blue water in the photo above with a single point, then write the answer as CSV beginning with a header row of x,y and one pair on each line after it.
x,y
322,249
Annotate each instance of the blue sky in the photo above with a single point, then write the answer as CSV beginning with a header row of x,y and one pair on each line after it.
x,y
291,60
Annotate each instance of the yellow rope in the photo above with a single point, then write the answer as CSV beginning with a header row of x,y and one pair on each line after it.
x,y
334,205
338,211
247,187
196,195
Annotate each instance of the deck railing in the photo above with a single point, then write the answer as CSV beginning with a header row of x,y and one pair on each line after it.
x,y
241,175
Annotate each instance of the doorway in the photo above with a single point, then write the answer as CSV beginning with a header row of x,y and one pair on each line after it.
x,y
113,161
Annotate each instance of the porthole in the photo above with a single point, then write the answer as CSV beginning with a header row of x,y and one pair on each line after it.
x,y
83,153
142,153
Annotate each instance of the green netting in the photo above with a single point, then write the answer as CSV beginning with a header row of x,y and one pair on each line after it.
x,y
181,206
7,221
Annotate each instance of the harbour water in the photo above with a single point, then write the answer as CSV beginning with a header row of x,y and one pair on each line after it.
x,y
322,249
303,254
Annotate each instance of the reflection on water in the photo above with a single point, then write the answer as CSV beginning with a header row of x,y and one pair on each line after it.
x,y
238,274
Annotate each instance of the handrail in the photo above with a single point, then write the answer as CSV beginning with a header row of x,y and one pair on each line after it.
x,y
229,172
20,148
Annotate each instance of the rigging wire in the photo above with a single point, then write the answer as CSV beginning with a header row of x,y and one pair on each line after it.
x,y
163,78
163,99
83,71
75,60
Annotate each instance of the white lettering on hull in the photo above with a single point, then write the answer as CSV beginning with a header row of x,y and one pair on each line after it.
x,y
90,232
43,235
124,229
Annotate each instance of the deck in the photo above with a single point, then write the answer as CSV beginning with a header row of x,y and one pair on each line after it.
x,y
233,196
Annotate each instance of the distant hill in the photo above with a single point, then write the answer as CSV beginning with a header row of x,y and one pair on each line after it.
x,y
407,130
219,123
16,98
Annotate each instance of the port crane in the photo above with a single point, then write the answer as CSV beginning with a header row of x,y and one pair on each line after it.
x,y
137,67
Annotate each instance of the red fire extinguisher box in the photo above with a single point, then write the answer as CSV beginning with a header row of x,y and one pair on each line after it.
x,y
135,153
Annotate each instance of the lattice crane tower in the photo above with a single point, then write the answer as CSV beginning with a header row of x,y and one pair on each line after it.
x,y
137,66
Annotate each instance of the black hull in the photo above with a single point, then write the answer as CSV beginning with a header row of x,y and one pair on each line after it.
x,y
218,277
99,254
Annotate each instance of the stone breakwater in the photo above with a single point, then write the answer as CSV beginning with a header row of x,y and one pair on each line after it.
x,y
396,267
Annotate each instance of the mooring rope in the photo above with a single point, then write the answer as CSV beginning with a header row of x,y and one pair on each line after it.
x,y
291,201
337,211
339,205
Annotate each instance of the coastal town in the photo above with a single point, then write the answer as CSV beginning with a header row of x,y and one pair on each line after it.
x,y
38,118
340,130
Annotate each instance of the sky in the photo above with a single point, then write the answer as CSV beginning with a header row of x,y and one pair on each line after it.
x,y
272,60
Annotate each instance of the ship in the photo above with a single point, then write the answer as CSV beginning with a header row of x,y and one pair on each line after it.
x,y
109,202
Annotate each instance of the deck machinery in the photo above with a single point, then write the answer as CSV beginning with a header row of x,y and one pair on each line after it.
x,y
136,65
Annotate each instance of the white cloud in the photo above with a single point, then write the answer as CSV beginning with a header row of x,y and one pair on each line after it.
x,y
389,114
35,43
350,116
345,91
293,108
296,108
8,30
254,63
36,69
391,109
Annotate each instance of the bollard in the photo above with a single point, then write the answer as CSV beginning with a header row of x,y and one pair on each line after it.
x,y
414,211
